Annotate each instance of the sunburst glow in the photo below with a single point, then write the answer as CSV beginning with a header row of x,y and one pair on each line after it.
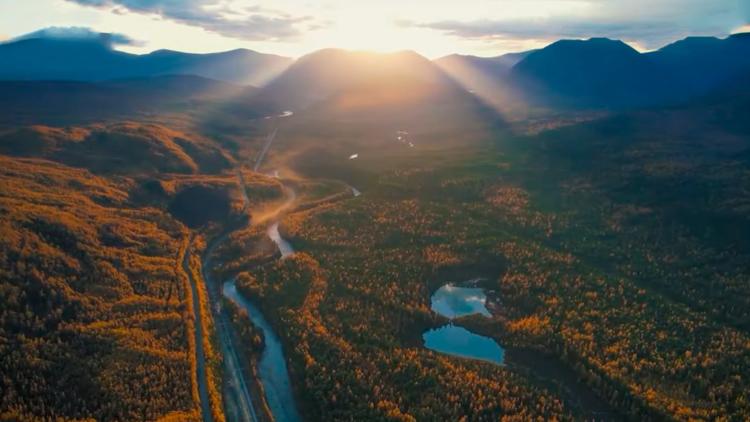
x,y
431,28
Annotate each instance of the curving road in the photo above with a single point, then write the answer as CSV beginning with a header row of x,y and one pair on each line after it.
x,y
262,155
200,355
273,373
231,359
232,362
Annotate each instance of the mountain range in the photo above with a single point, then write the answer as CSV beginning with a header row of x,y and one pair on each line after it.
x,y
593,73
601,72
96,60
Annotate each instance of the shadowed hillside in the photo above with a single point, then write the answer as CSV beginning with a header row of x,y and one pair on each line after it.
x,y
69,102
596,72
699,65
96,60
198,205
602,73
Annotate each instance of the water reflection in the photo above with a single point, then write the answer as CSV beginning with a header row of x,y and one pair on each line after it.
x,y
458,341
452,301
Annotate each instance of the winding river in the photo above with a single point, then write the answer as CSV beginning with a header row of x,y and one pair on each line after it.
x,y
284,247
272,369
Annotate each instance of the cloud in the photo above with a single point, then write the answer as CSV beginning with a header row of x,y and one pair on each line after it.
x,y
549,29
79,33
745,8
250,23
666,21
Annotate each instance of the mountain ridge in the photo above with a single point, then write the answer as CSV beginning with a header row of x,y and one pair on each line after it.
x,y
95,60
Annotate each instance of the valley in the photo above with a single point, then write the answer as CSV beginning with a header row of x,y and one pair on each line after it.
x,y
376,236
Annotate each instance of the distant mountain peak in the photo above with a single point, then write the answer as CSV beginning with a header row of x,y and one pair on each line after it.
x,y
741,35
700,38
87,56
165,53
42,42
324,74
593,50
593,43
78,35
242,51
690,43
455,56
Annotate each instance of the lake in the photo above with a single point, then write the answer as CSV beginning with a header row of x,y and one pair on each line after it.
x,y
458,341
452,301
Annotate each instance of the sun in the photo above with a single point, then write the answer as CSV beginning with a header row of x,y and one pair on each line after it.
x,y
357,33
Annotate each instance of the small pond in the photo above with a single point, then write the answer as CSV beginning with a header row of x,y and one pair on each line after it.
x,y
458,341
452,301
455,301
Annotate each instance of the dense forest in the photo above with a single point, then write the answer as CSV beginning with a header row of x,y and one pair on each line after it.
x,y
93,322
97,317
362,368
643,294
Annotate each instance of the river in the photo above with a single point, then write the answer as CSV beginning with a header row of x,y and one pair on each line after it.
x,y
272,370
272,365
284,247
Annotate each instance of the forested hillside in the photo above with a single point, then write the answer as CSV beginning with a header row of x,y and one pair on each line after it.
x,y
93,322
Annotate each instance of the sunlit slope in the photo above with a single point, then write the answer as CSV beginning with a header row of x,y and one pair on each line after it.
x,y
126,148
322,74
601,73
93,319
487,78
380,106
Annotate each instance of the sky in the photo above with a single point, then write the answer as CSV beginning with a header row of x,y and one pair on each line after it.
x,y
431,27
